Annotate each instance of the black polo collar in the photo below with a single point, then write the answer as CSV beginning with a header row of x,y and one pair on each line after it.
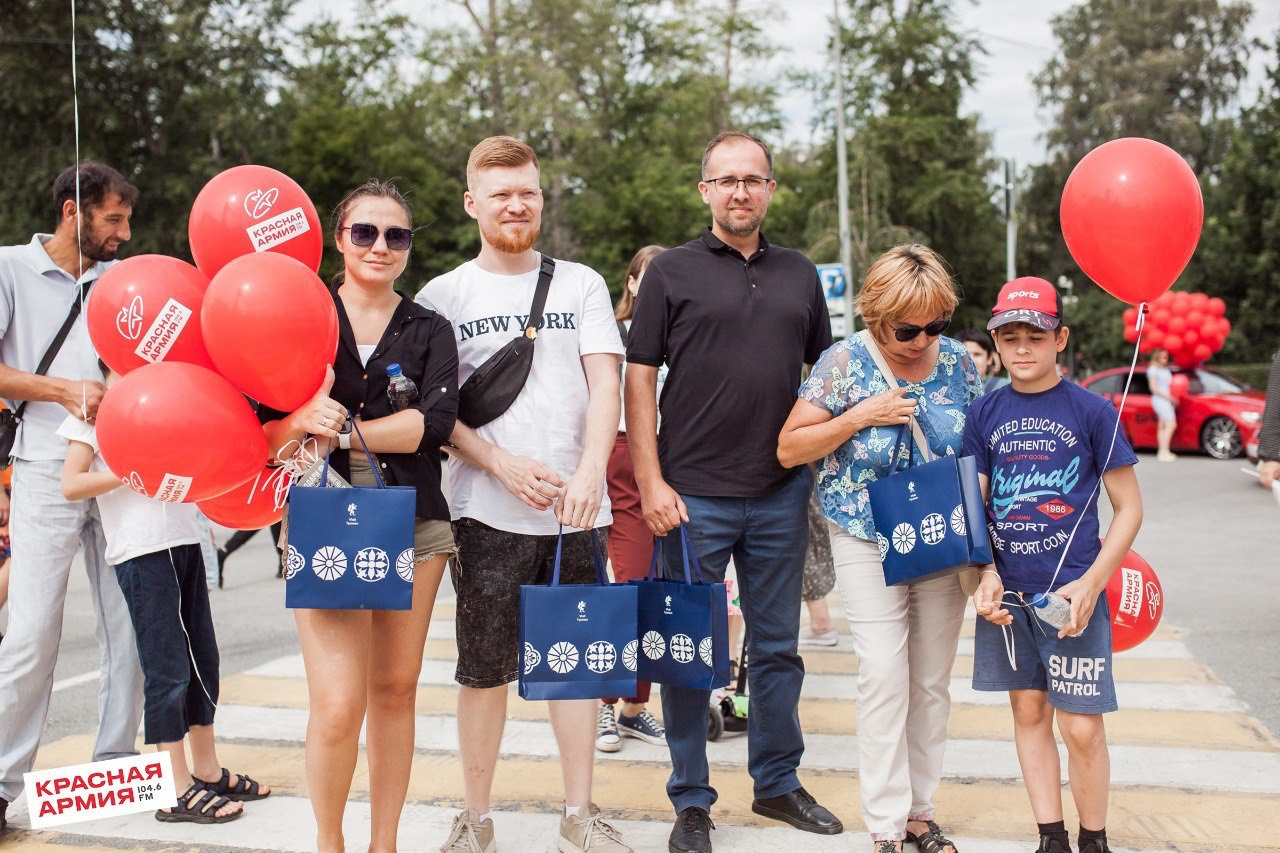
x,y
715,244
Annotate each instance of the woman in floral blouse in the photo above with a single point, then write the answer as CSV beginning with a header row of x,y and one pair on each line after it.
x,y
847,419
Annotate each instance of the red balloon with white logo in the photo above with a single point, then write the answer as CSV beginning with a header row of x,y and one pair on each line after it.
x,y
178,432
253,504
146,309
1131,215
1136,600
271,328
250,209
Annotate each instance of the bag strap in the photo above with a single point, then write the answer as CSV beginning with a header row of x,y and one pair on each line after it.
x,y
883,365
373,465
689,555
601,577
46,361
546,269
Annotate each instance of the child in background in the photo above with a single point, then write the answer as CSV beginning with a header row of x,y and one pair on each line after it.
x,y
155,549
1044,446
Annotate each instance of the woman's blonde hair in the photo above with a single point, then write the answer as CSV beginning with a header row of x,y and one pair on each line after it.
x,y
908,280
627,304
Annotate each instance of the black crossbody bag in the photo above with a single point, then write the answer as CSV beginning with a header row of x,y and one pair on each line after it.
x,y
494,386
10,420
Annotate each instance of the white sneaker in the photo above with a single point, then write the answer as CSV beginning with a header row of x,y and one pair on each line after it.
x,y
607,737
810,637
470,835
591,833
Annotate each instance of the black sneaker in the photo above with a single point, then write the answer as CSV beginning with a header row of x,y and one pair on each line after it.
x,y
1053,844
692,832
4,807
1093,845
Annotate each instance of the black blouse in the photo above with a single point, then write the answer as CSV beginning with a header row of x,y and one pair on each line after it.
x,y
423,344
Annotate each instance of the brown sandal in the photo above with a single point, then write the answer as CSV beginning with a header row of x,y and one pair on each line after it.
x,y
243,790
198,805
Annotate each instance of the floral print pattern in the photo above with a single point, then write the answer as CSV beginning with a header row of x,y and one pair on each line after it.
x,y
845,375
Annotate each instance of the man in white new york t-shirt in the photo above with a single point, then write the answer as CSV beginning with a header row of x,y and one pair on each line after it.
x,y
515,480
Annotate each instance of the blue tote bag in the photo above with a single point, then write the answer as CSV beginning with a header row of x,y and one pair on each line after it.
x,y
350,549
683,625
929,518
578,641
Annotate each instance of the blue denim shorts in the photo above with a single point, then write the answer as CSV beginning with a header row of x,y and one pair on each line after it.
x,y
1075,671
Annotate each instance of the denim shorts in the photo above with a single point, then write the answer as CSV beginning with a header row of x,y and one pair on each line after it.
x,y
487,573
1075,671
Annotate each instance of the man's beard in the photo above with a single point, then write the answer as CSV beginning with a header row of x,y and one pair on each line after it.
x,y
95,249
740,228
522,242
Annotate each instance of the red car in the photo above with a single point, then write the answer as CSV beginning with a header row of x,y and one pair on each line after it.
x,y
1219,415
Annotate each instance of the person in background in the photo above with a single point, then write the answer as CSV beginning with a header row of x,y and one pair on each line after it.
x,y
1269,434
1160,381
819,580
155,550
983,352
630,540
363,666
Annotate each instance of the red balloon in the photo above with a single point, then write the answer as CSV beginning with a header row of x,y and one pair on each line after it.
x,y
1179,385
1191,337
1146,345
1224,326
271,328
178,432
1161,316
1130,317
1136,600
1172,343
1156,336
146,309
1130,334
249,209
254,504
1195,318
1177,325
1181,301
1201,353
1131,216
1199,300
1216,307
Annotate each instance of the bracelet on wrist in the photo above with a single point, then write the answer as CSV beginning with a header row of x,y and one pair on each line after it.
x,y
989,572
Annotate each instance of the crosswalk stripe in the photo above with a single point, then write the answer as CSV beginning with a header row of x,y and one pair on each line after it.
x,y
1200,729
1155,697
1140,816
1130,765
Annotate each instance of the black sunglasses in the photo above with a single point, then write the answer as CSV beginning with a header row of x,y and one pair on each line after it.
x,y
365,235
910,333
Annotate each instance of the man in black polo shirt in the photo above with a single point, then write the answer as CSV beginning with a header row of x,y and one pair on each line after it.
x,y
735,319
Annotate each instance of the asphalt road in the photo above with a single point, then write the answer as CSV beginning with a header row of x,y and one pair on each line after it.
x,y
1212,535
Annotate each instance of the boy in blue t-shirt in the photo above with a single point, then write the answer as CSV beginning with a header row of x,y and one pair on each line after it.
x,y
1044,447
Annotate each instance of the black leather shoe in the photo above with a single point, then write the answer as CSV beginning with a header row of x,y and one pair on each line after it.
x,y
692,832
4,808
800,810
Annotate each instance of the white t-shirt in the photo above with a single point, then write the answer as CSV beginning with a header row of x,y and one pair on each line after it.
x,y
134,525
662,378
548,421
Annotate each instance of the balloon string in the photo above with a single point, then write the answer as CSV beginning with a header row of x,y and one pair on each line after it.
x,y
1133,366
75,112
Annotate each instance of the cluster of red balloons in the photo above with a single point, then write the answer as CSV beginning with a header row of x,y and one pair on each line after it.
x,y
250,318
1136,600
1191,326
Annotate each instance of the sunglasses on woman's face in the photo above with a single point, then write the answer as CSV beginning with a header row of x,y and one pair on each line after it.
x,y
365,235
910,333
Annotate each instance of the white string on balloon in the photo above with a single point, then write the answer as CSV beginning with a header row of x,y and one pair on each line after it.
x,y
75,113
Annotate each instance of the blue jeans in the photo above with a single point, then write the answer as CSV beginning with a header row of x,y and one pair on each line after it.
x,y
767,538
168,600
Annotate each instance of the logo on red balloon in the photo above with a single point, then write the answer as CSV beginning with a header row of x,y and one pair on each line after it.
x,y
1130,591
129,321
134,481
1153,599
258,203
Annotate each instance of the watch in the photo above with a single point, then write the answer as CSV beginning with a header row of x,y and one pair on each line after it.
x,y
344,441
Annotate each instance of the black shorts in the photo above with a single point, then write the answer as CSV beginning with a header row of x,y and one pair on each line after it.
x,y
487,573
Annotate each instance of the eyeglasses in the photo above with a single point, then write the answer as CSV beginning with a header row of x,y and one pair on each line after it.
x,y
910,333
365,235
728,184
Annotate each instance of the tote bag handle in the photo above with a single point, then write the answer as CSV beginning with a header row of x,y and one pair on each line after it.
x,y
916,432
690,557
601,577
377,478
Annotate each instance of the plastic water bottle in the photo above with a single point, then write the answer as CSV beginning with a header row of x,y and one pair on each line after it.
x,y
1052,609
400,389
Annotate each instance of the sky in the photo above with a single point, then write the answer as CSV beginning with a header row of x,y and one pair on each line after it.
x,y
1016,34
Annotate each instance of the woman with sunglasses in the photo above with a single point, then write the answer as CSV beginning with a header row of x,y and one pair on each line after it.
x,y
847,419
363,665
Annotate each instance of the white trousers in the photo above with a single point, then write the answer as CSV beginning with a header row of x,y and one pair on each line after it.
x,y
46,530
905,638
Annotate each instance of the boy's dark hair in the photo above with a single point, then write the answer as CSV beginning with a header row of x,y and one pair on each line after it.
x,y
982,339
97,182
